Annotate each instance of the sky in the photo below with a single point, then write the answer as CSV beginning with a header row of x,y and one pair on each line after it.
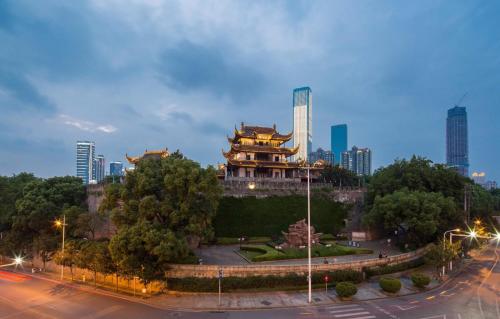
x,y
134,75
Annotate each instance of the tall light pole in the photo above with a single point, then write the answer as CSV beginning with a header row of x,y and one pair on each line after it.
x,y
309,277
63,224
444,240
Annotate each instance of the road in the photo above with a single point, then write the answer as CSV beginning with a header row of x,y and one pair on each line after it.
x,y
473,294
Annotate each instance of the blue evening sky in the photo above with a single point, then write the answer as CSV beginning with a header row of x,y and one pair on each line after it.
x,y
132,75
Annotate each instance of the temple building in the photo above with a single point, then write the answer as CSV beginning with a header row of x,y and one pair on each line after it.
x,y
148,154
259,152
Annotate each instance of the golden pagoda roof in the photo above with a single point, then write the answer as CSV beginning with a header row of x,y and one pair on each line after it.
x,y
148,154
254,132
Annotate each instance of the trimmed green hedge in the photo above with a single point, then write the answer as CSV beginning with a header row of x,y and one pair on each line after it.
x,y
250,216
346,289
383,270
390,284
259,282
235,240
268,253
420,280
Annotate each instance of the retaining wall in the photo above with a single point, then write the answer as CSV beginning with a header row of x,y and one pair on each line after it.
x,y
212,271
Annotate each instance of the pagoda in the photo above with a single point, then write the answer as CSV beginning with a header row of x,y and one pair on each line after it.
x,y
157,154
259,152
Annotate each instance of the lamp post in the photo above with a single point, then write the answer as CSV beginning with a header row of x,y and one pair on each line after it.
x,y
309,277
444,239
63,225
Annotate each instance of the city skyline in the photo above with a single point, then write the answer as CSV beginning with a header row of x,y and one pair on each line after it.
x,y
120,76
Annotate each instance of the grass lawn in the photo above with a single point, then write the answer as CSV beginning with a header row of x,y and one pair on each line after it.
x,y
258,253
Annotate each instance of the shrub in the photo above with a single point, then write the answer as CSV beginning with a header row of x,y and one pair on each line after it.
x,y
259,282
389,269
420,280
346,289
390,284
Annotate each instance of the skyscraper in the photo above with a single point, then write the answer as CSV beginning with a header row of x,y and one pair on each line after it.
x,y
321,154
100,168
302,122
85,157
357,160
457,146
338,140
116,169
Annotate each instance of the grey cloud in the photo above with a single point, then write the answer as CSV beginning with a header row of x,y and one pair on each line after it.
x,y
18,94
189,66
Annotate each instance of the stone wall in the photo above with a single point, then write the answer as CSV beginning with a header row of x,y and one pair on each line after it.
x,y
211,271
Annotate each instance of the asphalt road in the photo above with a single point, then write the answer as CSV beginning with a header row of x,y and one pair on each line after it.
x,y
473,294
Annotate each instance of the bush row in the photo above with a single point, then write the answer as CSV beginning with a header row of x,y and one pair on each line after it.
x,y
389,269
259,282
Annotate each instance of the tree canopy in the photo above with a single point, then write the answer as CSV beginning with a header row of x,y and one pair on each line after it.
x,y
339,176
418,216
164,207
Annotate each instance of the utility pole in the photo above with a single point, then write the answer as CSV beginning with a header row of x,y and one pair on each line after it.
x,y
309,277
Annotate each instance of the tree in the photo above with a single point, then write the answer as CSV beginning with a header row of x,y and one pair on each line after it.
x,y
164,207
70,256
417,174
440,254
339,176
419,215
95,256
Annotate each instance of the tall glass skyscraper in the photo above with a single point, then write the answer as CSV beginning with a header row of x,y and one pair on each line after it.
x,y
100,168
338,140
116,169
457,146
302,122
85,158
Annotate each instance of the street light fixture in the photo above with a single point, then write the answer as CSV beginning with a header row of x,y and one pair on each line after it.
x,y
18,261
58,224
472,234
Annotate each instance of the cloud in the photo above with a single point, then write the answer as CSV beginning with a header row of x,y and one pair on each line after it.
x,y
189,66
17,93
87,125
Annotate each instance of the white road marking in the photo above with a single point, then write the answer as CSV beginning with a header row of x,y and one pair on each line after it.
x,y
343,306
352,314
346,310
435,317
404,308
459,316
364,317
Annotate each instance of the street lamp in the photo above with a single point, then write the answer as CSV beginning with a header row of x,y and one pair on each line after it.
x,y
472,234
309,278
444,239
62,224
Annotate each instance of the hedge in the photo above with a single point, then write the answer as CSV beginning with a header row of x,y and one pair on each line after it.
x,y
251,217
259,282
420,280
268,253
390,284
389,269
346,289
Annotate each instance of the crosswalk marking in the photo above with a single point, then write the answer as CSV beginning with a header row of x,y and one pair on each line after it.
x,y
343,306
352,314
346,310
364,317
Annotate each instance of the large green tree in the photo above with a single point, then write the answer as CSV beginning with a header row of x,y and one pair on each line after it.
x,y
164,207
416,174
418,216
11,189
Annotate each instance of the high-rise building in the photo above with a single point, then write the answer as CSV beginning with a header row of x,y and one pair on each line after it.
x,y
302,122
85,157
116,169
338,139
321,154
457,147
357,160
100,168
